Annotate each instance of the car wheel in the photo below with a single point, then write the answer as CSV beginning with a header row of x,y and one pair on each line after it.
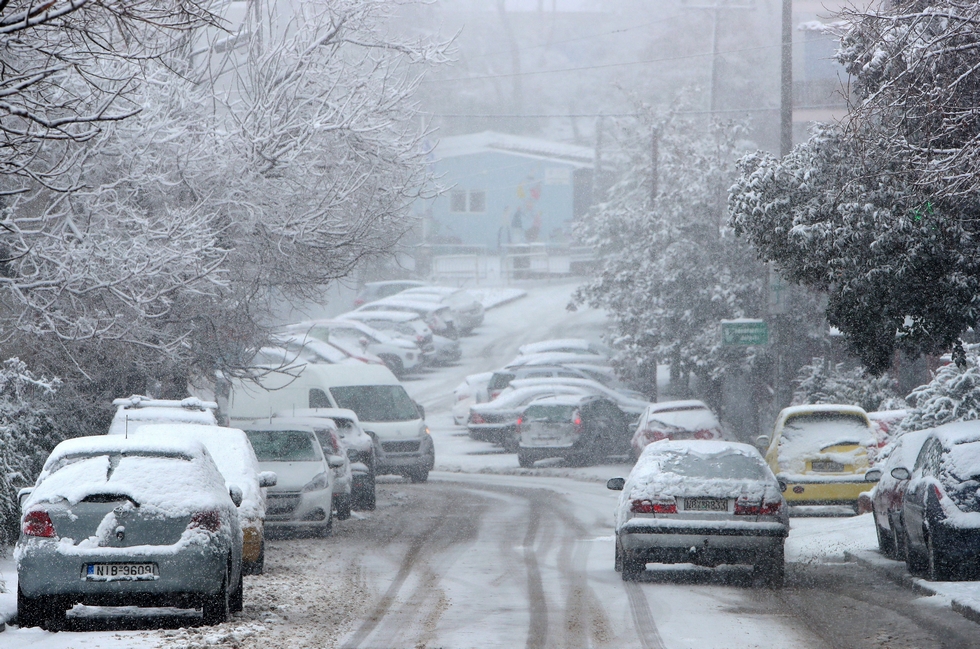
x,y
913,560
365,497
418,475
773,570
259,566
525,460
237,602
937,568
216,607
510,442
55,617
31,611
618,564
344,507
394,364
886,540
632,567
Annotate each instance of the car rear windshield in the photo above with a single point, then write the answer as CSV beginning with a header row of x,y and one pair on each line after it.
x,y
283,445
500,380
376,403
826,428
732,466
550,414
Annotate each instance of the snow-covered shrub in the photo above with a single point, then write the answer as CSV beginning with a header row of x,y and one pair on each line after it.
x,y
27,435
953,395
820,382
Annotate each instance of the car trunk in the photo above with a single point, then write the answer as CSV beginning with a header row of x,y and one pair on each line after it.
x,y
116,521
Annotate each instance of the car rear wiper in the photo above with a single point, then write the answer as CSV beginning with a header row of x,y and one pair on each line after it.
x,y
108,498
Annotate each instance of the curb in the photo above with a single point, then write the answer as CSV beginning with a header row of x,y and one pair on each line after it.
x,y
899,575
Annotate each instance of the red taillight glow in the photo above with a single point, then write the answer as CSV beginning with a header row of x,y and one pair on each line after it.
x,y
704,434
654,435
937,491
476,418
520,420
494,394
577,418
38,523
651,507
358,302
210,521
765,509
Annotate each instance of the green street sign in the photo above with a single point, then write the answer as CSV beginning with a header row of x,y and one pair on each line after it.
x,y
744,332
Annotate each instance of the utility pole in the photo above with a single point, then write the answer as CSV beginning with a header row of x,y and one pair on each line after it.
x,y
786,82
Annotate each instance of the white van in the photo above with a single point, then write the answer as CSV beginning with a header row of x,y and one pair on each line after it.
x,y
384,409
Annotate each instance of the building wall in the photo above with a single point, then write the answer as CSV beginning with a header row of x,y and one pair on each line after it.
x,y
497,198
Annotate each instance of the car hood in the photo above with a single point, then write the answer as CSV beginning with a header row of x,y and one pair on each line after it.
x,y
293,476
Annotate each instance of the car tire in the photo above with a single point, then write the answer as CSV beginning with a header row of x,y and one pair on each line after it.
x,y
418,476
31,611
618,563
510,442
886,539
937,567
216,608
365,498
344,506
525,460
772,571
237,603
632,567
913,560
394,363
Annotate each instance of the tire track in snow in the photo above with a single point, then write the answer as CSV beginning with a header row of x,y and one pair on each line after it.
x,y
646,627
537,632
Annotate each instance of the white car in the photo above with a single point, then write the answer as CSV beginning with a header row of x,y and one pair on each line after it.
x,y
690,419
467,311
632,405
137,410
566,345
311,349
398,353
438,316
328,434
700,502
302,499
397,323
471,391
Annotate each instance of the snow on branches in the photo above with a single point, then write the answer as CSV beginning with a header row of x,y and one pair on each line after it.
x,y
952,395
819,382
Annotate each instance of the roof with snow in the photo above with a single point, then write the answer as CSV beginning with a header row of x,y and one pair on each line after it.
x,y
531,147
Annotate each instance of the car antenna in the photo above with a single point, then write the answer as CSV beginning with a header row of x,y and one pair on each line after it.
x,y
126,430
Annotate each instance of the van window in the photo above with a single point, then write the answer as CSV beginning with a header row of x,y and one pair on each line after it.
x,y
378,403
318,399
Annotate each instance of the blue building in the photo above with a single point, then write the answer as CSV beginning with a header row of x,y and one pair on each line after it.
x,y
507,189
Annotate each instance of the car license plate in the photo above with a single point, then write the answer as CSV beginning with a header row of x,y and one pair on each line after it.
x,y
826,466
121,571
706,504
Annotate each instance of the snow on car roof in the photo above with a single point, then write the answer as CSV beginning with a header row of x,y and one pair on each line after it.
x,y
557,358
395,316
396,301
140,401
593,386
397,282
672,406
231,452
127,419
549,345
514,396
957,432
887,415
176,476
785,413
806,432
329,413
564,400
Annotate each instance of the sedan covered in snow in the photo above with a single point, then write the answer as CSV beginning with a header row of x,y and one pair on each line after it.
x,y
889,493
113,521
675,420
701,502
581,429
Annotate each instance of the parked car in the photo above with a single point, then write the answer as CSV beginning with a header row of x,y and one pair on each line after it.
x,y
128,521
310,349
887,495
819,453
468,312
376,290
233,455
701,502
302,499
396,352
446,350
501,379
568,346
397,323
578,428
632,406
362,449
885,424
138,410
328,434
383,408
941,510
675,420
558,358
471,391
437,316
496,421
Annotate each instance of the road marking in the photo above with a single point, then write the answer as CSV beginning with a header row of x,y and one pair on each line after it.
x,y
646,627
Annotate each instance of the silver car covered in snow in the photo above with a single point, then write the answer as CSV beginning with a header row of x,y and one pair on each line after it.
x,y
700,502
128,522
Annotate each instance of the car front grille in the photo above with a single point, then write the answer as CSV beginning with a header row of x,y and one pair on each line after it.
x,y
410,446
281,504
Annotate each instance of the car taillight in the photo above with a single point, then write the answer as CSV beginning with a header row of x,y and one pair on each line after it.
x,y
494,394
38,523
476,418
703,434
654,435
210,521
765,509
936,490
644,506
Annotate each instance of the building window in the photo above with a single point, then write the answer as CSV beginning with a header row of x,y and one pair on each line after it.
x,y
478,200
457,201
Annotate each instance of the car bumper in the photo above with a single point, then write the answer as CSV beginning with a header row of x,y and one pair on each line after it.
x,y
665,542
185,575
294,510
396,460
814,492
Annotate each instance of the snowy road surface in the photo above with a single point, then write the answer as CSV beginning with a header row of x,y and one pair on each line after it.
x,y
490,555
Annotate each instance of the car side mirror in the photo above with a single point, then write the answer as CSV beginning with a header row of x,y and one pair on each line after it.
x,y
901,473
23,494
762,441
268,479
872,475
616,484
335,461
420,409
236,494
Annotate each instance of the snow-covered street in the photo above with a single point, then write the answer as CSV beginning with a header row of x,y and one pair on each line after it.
x,y
490,555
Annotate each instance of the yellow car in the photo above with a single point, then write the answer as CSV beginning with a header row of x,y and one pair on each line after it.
x,y
819,454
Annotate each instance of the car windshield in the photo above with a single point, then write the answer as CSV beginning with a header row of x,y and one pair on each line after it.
x,y
550,413
283,445
378,403
731,466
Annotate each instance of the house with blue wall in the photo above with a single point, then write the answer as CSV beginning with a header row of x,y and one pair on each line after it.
x,y
507,189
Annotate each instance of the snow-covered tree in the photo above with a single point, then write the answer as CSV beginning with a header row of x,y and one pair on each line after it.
x,y
821,382
952,395
879,211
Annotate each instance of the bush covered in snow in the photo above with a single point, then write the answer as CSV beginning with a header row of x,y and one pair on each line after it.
x,y
953,395
27,435
821,382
